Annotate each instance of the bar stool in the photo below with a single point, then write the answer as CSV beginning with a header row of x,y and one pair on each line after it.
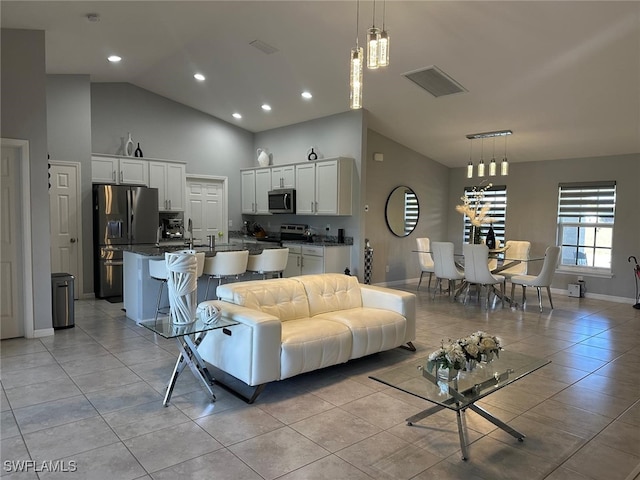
x,y
271,261
225,265
158,271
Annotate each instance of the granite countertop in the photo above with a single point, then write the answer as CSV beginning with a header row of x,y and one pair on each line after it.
x,y
158,251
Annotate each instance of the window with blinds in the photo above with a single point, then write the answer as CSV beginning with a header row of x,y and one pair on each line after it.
x,y
586,214
496,196
411,212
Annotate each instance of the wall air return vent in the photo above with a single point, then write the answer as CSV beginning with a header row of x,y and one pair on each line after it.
x,y
435,81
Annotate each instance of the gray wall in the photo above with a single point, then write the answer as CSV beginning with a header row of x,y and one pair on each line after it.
x,y
428,179
171,131
334,136
24,116
69,139
532,191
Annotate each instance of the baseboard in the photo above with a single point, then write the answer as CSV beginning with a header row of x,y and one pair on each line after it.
x,y
556,291
43,332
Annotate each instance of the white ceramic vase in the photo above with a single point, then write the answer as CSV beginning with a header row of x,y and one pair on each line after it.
x,y
129,147
263,157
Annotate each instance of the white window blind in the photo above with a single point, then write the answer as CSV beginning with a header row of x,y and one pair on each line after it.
x,y
496,196
586,215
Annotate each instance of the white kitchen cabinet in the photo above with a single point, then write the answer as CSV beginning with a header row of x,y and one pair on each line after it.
x,y
170,180
119,171
283,177
255,185
311,259
324,187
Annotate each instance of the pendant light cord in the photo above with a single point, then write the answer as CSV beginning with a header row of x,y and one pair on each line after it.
x,y
357,20
384,12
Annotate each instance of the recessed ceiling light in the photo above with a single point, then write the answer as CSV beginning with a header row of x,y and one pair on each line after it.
x,y
266,108
114,58
306,95
199,77
237,115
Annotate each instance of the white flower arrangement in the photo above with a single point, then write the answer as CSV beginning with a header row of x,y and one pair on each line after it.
x,y
455,354
473,208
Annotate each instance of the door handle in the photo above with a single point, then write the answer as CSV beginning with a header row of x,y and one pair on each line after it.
x,y
72,240
121,176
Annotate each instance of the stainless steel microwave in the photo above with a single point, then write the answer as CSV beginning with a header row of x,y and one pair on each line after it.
x,y
282,200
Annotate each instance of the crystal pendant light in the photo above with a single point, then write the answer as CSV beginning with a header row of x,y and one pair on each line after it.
x,y
373,36
492,165
481,164
504,166
355,69
383,41
470,164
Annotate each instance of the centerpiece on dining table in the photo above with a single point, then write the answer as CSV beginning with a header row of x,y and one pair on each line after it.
x,y
465,353
477,211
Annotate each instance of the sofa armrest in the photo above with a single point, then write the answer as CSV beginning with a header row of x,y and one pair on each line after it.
x,y
397,301
252,352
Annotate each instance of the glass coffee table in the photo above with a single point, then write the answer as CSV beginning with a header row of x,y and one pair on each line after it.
x,y
464,391
188,348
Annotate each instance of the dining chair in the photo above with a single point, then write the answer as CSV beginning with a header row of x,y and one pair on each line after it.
x,y
516,250
476,271
425,259
225,265
543,279
271,261
493,262
445,266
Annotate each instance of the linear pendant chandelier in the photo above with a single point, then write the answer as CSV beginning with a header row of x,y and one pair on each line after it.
x,y
504,165
377,55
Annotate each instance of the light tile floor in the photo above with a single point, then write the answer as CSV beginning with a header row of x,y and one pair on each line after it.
x,y
93,395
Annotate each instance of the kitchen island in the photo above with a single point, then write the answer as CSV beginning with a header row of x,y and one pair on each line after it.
x,y
140,291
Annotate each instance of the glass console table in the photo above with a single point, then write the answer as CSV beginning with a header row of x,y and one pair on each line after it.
x,y
465,390
188,338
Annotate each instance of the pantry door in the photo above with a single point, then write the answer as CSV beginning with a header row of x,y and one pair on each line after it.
x,y
207,207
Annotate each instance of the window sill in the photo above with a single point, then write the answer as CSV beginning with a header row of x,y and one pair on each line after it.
x,y
585,272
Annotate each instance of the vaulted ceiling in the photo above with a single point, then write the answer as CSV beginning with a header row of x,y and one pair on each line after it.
x,y
564,76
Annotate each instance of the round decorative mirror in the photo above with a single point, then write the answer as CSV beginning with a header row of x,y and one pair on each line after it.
x,y
402,211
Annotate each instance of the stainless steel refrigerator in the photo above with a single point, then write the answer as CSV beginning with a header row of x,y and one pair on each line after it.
x,y
122,216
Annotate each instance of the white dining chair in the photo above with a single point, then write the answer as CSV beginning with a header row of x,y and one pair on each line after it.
x,y
476,271
425,259
516,250
272,261
225,265
543,279
445,266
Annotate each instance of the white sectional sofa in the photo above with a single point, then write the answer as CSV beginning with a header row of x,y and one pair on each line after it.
x,y
289,326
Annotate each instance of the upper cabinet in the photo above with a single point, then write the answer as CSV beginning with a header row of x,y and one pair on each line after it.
x,y
255,185
170,180
324,187
120,171
283,177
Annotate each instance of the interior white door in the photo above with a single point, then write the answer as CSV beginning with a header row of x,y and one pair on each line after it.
x,y
207,208
64,211
11,315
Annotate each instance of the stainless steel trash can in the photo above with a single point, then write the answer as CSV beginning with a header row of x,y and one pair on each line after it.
x,y
62,311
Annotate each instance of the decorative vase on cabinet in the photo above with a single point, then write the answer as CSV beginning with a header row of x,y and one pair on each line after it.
x,y
263,157
129,146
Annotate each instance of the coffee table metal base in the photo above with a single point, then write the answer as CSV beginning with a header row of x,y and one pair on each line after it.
x,y
189,356
462,426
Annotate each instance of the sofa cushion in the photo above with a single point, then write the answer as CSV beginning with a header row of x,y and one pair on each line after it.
x,y
309,344
373,329
329,292
281,297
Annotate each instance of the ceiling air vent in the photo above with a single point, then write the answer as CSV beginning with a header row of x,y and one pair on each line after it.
x,y
435,81
263,47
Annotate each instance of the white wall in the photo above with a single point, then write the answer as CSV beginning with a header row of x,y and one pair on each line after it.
x,y
69,139
24,116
